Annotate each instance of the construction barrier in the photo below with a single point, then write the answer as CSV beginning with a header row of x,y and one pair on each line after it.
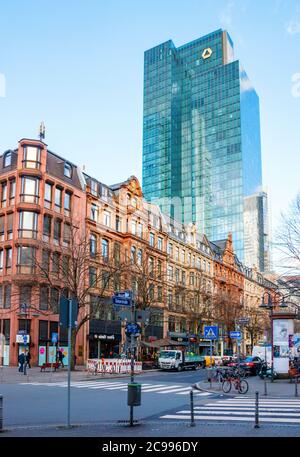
x,y
112,366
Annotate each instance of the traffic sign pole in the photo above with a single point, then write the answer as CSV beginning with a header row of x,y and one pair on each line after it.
x,y
132,354
69,364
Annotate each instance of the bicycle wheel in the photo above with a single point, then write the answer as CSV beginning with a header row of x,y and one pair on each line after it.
x,y
226,386
243,386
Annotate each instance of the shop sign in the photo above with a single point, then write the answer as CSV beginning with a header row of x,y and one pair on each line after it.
x,y
22,339
104,337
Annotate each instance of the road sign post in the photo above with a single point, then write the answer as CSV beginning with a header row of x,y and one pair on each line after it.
x,y
69,363
54,339
211,332
68,319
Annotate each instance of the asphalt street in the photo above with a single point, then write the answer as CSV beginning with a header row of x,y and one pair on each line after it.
x,y
29,403
99,408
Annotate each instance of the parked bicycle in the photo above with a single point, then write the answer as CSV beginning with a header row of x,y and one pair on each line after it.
x,y
240,384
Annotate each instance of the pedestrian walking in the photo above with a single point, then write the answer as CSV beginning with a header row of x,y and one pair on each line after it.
x,y
61,356
28,357
21,360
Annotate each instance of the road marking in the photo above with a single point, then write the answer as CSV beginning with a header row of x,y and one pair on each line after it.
x,y
122,387
270,410
159,387
231,418
241,413
181,390
250,408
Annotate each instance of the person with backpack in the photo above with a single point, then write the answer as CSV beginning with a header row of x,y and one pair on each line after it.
x,y
21,360
28,357
61,356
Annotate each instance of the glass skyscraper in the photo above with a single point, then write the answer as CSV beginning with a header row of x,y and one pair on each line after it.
x,y
201,141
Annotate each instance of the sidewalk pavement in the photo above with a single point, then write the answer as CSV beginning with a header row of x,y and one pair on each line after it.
x,y
279,388
11,375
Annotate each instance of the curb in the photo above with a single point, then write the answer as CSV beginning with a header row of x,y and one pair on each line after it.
x,y
87,378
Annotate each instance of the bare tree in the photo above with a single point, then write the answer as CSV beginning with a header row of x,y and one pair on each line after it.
x,y
146,276
80,270
288,244
227,308
258,322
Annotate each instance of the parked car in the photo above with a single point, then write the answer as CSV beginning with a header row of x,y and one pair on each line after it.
x,y
251,364
226,359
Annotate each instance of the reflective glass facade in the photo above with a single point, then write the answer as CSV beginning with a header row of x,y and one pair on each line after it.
x,y
201,143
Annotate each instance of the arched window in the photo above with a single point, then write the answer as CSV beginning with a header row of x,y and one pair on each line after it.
x,y
105,249
93,245
7,159
133,254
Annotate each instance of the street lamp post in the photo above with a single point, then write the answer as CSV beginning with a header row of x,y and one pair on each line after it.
x,y
270,306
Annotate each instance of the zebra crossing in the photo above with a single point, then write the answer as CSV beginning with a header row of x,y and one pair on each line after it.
x,y
175,389
239,409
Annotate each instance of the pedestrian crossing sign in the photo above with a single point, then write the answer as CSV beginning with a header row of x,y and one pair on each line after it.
x,y
211,332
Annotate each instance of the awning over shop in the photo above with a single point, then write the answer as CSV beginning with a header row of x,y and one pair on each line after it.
x,y
161,343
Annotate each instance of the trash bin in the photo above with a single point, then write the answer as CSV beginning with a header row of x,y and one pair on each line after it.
x,y
134,394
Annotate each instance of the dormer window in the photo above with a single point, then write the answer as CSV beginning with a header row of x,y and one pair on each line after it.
x,y
94,187
68,170
7,159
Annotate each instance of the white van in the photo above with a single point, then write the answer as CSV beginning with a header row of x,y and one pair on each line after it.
x,y
262,352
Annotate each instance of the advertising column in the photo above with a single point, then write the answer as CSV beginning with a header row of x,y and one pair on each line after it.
x,y
283,331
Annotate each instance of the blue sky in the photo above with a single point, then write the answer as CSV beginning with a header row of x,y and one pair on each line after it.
x,y
78,66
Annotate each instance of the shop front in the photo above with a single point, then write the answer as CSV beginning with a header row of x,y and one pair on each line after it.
x,y
47,350
204,346
4,341
104,339
182,338
149,354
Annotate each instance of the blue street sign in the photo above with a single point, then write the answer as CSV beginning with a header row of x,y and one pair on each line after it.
x,y
236,335
211,332
134,329
25,339
125,294
121,301
54,338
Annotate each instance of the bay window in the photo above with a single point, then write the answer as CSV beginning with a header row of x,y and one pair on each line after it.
x,y
31,157
26,259
29,189
28,224
3,194
12,191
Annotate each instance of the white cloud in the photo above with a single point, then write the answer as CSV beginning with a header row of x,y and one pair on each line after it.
x,y
293,26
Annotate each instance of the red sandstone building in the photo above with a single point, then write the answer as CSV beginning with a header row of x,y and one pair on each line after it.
x,y
40,192
42,196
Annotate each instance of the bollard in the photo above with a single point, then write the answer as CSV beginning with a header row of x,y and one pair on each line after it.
x,y
192,408
1,413
296,386
256,411
265,393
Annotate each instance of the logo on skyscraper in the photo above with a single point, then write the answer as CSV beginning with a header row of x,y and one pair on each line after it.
x,y
206,53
